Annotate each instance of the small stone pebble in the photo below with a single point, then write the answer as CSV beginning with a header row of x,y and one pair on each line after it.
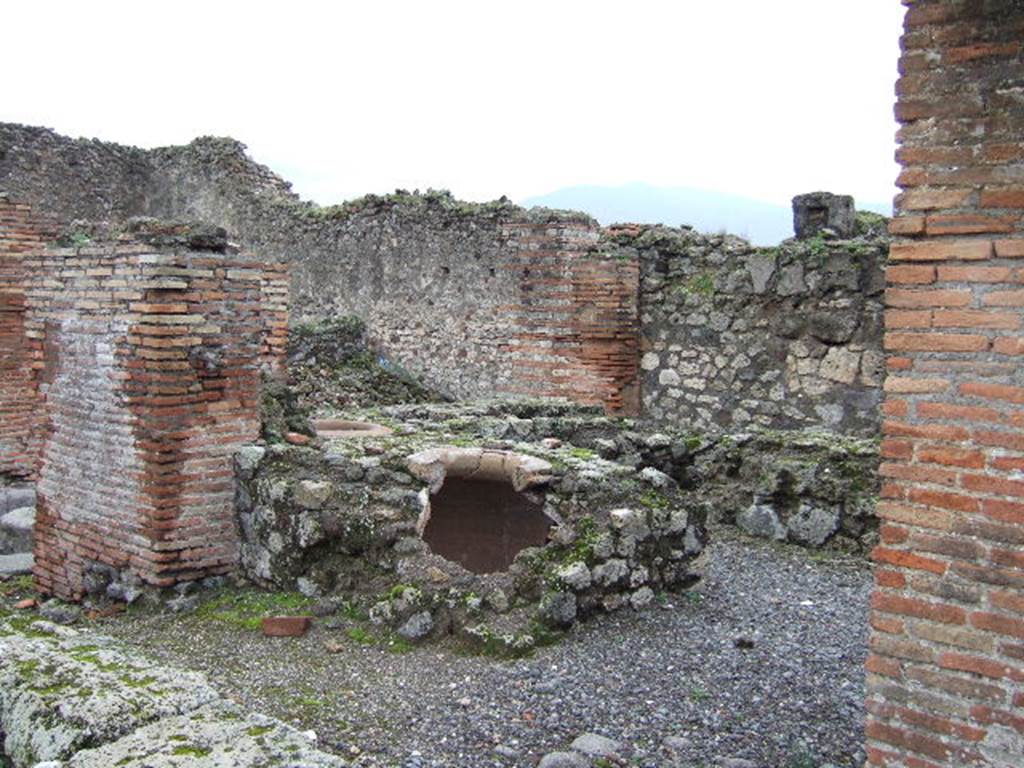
x,y
563,760
595,745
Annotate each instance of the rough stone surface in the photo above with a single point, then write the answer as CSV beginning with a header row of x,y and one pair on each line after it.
x,y
312,494
815,212
575,575
812,488
557,609
563,760
79,700
61,691
417,627
521,471
813,525
16,497
215,735
761,520
739,337
15,565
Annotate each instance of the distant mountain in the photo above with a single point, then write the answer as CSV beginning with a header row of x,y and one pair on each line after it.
x,y
705,210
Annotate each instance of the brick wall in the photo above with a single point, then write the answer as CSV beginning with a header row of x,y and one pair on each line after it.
x,y
946,670
575,322
145,364
20,232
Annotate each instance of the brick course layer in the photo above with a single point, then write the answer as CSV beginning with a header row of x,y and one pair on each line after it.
x,y
20,232
144,368
946,670
575,327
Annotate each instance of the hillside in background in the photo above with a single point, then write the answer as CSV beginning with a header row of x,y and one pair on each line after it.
x,y
707,211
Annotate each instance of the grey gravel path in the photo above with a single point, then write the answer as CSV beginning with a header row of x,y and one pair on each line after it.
x,y
762,665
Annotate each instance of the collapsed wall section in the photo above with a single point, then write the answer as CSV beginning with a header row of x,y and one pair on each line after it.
x,y
946,672
145,354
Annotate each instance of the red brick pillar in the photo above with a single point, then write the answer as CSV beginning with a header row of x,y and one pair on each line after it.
x,y
151,357
946,671
19,234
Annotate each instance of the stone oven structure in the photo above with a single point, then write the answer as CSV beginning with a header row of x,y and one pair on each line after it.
x,y
564,532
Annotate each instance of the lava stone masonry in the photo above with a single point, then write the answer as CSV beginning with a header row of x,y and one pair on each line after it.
x,y
736,337
478,300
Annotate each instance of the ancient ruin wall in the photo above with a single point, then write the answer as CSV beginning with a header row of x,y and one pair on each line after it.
x,y
145,357
946,672
477,300
73,179
735,337
485,300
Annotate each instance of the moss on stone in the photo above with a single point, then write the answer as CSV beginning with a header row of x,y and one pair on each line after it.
x,y
190,751
247,607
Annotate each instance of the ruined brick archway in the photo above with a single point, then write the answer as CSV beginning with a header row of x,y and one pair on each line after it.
x,y
945,674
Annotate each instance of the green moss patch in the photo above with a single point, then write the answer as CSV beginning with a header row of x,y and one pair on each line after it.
x,y
246,608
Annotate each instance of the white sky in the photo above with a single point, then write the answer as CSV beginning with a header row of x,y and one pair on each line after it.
x,y
766,98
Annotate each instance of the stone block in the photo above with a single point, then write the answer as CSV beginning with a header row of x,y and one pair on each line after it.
x,y
817,211
16,531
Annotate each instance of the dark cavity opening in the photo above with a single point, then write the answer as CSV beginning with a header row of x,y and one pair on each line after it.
x,y
483,525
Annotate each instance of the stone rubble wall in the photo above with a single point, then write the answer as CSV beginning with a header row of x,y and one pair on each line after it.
x,y
807,487
341,517
145,355
483,300
736,337
945,682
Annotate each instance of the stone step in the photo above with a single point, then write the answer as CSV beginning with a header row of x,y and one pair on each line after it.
x,y
16,531
15,565
16,497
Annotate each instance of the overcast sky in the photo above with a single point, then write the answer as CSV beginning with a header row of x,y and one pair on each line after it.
x,y
765,99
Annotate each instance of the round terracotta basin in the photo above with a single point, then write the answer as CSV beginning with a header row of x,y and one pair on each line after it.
x,y
339,428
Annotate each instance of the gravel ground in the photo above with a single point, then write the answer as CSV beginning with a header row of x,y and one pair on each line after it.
x,y
761,665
